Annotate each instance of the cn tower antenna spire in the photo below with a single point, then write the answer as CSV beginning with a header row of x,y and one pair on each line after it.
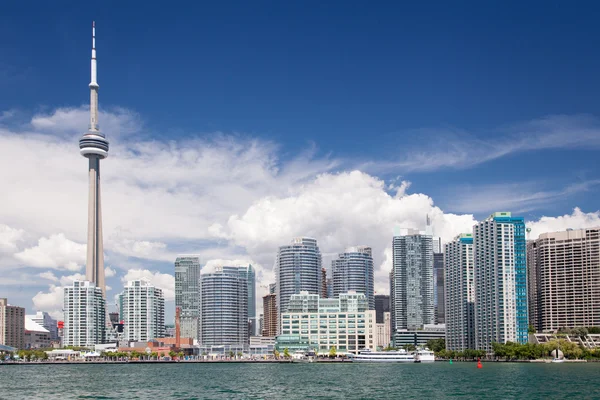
x,y
93,85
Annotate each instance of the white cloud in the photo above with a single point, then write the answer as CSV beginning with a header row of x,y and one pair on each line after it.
x,y
339,210
51,302
56,252
576,220
9,237
223,196
109,272
166,282
49,275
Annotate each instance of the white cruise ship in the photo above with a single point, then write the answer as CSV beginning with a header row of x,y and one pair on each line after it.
x,y
367,355
424,355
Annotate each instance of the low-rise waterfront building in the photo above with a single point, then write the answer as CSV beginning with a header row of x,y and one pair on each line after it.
x,y
419,337
36,336
317,324
44,319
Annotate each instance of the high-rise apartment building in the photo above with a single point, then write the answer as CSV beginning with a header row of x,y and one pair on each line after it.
x,y
353,271
223,307
44,319
297,269
564,271
12,325
324,290
438,285
248,273
412,275
187,293
500,270
382,305
270,320
460,293
142,311
85,315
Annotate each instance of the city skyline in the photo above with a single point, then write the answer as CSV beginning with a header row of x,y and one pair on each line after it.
x,y
262,190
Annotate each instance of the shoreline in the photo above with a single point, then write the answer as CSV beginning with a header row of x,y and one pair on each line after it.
x,y
121,362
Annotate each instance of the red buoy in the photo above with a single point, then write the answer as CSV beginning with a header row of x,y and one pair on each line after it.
x,y
479,363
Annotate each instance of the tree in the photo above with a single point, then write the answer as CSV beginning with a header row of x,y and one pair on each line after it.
x,y
409,347
240,354
436,345
286,353
594,330
276,354
531,329
332,352
231,354
172,354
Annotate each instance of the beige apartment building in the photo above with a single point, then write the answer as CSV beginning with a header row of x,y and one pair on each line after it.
x,y
12,325
564,279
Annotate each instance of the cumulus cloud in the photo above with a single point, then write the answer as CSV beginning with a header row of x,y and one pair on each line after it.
x,y
9,237
52,302
576,220
166,282
49,275
340,210
109,272
56,252
222,196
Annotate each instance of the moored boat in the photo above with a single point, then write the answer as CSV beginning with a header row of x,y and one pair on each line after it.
x,y
398,356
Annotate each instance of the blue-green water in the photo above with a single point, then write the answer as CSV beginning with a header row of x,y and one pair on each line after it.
x,y
301,381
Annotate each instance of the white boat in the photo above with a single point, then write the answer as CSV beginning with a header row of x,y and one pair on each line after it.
x,y
558,360
367,355
424,355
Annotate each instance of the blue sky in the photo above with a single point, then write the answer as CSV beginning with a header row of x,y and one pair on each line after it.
x,y
481,107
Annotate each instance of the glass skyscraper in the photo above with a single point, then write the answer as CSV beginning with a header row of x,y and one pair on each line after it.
x,y
224,306
460,293
249,274
297,269
412,286
499,255
187,279
353,271
85,315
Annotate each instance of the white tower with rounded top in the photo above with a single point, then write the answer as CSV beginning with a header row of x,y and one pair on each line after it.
x,y
94,146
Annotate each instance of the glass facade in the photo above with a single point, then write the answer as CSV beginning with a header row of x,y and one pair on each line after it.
x,y
500,266
187,278
353,271
412,281
297,269
318,324
224,307
460,293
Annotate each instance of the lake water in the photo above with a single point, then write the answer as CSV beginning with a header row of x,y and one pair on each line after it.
x,y
301,381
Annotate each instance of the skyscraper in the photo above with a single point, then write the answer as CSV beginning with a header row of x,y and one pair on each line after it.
x,y
438,279
94,146
500,281
223,307
248,273
270,322
187,293
324,290
142,311
297,268
85,315
413,280
12,325
460,293
353,271
382,305
566,279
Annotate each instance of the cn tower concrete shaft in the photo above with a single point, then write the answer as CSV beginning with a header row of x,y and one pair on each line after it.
x,y
94,271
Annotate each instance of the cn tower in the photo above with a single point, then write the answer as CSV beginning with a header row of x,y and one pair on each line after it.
x,y
94,146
